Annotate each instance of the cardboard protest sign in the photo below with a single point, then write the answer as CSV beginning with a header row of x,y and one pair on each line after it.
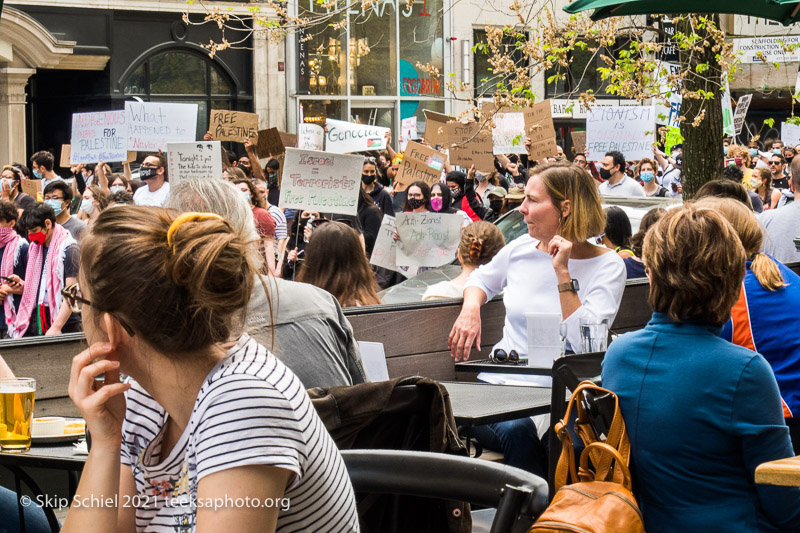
x,y
469,144
32,187
627,129
289,139
269,143
538,119
790,134
384,254
420,163
65,155
578,142
100,136
427,239
741,111
199,159
151,125
226,125
346,137
131,157
321,181
310,137
508,134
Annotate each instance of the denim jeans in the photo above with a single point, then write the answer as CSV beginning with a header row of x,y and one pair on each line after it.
x,y
35,519
518,441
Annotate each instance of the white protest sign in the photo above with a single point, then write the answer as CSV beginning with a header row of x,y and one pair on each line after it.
x,y
101,136
790,134
199,159
384,254
727,109
345,137
321,181
408,132
310,137
427,239
152,125
667,112
508,134
741,111
627,129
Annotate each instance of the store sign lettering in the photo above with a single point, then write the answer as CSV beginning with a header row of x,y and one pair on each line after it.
x,y
421,86
378,8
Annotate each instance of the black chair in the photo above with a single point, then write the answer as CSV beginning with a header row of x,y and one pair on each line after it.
x,y
568,372
519,496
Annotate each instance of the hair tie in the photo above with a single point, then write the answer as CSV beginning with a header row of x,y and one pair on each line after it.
x,y
189,217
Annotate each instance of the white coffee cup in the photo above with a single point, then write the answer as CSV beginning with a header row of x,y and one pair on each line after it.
x,y
48,426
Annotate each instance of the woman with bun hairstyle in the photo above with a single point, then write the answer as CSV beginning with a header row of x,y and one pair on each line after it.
x,y
207,414
480,242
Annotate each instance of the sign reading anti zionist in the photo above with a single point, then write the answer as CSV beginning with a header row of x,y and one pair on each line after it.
x,y
384,254
152,125
101,136
626,129
346,137
321,181
427,239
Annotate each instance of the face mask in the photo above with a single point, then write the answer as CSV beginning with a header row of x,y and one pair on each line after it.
x,y
367,180
753,152
789,159
415,203
246,196
737,161
755,183
117,188
273,178
725,150
776,151
37,174
513,204
56,205
436,204
480,177
605,173
496,205
647,176
87,206
39,237
147,173
455,192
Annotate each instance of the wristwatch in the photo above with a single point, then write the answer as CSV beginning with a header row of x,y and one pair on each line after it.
x,y
571,285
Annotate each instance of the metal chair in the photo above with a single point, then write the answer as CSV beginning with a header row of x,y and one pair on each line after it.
x,y
519,496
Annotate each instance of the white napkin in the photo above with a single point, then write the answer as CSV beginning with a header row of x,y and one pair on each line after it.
x,y
79,448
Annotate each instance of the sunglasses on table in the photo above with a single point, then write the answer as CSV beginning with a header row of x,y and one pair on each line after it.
x,y
76,301
502,357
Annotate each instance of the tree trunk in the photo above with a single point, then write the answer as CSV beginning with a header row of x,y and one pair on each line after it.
x,y
702,146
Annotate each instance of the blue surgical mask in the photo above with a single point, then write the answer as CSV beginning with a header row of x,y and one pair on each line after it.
x,y
725,150
647,176
37,174
246,196
753,152
56,205
776,151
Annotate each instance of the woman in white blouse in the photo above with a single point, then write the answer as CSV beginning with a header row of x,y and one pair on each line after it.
x,y
551,269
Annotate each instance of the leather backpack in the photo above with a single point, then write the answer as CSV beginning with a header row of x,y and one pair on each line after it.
x,y
599,498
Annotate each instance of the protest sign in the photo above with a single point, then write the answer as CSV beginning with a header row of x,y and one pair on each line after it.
x,y
65,155
345,137
627,129
310,137
741,111
727,108
100,136
539,127
131,157
199,159
32,187
408,132
226,125
578,142
151,125
508,134
790,134
289,140
427,239
420,163
469,144
384,254
321,181
269,143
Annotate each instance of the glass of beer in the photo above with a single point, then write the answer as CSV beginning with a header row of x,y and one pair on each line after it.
x,y
16,413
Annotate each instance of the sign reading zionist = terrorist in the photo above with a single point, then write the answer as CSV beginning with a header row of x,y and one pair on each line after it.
x,y
152,125
321,181
427,239
346,137
101,136
627,129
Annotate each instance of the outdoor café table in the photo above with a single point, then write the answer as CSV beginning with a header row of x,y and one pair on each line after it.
x,y
477,404
58,457
485,365
784,472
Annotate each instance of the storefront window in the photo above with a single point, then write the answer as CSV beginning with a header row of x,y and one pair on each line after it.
x,y
316,111
486,80
421,43
322,55
373,51
373,113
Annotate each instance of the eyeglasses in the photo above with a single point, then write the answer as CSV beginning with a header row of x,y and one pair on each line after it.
x,y
501,357
76,301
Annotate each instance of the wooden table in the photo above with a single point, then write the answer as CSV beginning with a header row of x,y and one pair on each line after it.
x,y
784,472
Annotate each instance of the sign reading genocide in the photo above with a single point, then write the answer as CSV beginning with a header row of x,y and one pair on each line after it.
x,y
199,159
345,137
100,136
234,126
384,254
427,239
627,129
151,125
310,137
420,163
321,181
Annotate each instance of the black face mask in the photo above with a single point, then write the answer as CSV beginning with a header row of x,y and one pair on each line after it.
x,y
513,204
605,173
368,180
415,203
496,205
789,160
273,179
147,173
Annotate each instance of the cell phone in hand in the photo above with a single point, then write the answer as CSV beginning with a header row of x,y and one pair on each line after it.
x,y
9,280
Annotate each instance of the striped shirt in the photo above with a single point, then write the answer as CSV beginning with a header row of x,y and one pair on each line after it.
x,y
280,222
251,410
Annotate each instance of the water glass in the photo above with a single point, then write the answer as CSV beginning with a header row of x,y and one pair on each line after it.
x,y
594,335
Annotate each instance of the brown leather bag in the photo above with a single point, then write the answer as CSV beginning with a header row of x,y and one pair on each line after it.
x,y
599,500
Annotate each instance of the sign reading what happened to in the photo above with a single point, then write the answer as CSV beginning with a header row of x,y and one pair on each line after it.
x,y
199,159
321,181
310,137
427,239
346,137
226,125
626,129
152,125
420,163
99,136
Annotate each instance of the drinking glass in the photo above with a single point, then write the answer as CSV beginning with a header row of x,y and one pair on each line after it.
x,y
594,335
16,413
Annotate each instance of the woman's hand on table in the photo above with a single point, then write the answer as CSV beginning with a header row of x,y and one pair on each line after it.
x,y
102,405
466,332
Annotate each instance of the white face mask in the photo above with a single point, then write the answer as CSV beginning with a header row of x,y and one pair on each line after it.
x,y
117,188
87,206
755,183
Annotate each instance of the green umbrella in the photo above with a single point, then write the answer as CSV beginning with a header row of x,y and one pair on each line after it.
x,y
783,11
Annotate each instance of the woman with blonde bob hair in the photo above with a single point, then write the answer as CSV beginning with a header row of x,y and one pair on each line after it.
x,y
701,413
551,269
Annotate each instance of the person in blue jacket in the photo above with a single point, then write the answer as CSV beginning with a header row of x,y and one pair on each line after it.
x,y
701,413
